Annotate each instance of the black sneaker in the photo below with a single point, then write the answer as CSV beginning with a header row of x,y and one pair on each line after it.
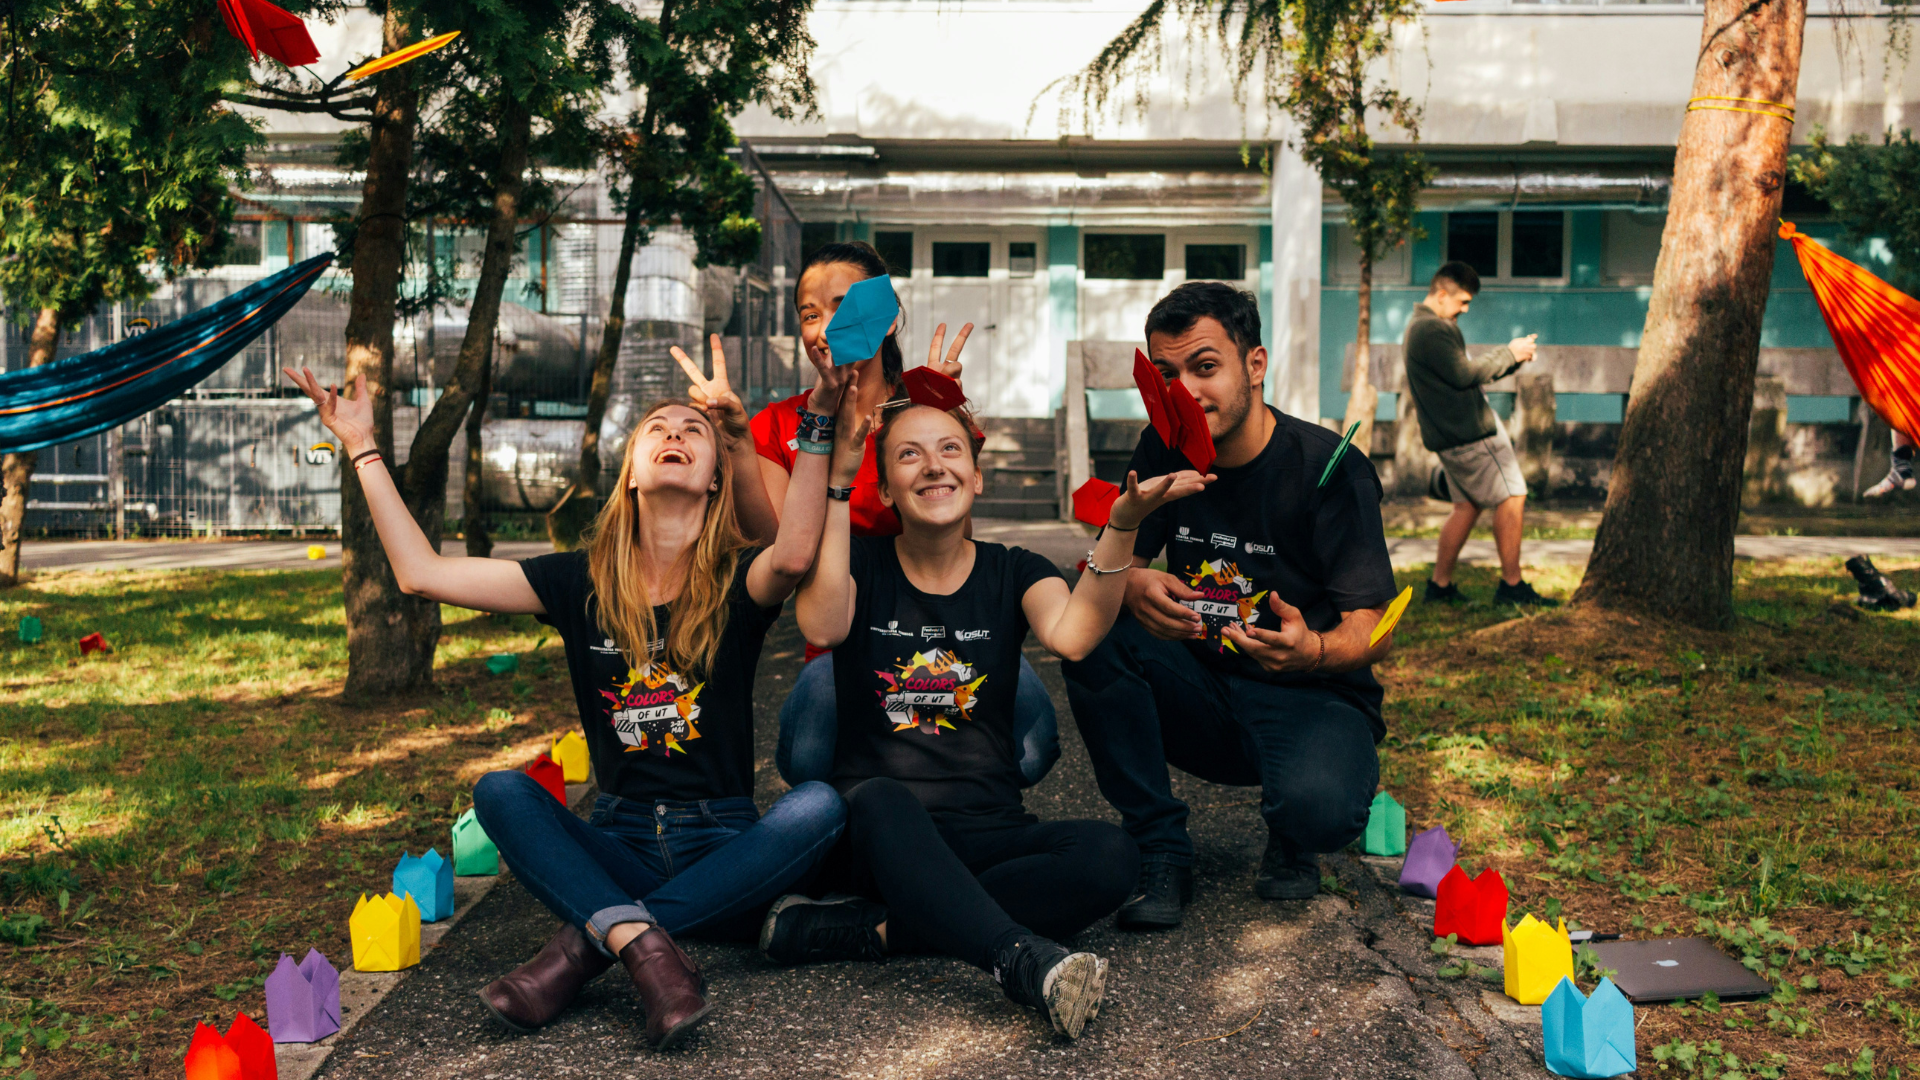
x,y
1521,593
1443,594
1286,874
1163,891
802,930
1877,590
1042,974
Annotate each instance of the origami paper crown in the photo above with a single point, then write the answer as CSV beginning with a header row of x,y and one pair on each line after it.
x,y
862,320
570,750
503,663
94,643
243,1053
926,386
385,932
303,1002
1588,1037
1537,957
1175,416
1429,857
550,776
473,850
1386,826
315,552
1475,909
30,630
1093,501
428,880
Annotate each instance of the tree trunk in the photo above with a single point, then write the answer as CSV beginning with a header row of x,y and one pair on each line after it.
x,y
479,544
16,470
568,521
1364,399
426,483
1665,543
390,636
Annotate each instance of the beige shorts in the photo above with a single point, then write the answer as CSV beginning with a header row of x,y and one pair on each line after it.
x,y
1485,472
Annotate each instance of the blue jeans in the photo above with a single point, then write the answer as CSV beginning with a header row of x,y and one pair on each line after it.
x,y
810,725
688,867
1143,704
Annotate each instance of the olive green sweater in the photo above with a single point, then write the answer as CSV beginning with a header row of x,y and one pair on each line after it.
x,y
1446,382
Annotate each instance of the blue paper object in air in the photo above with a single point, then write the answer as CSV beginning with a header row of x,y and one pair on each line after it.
x,y
87,394
1588,1037
861,323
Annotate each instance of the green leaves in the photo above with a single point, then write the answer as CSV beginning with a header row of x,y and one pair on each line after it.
x,y
1870,189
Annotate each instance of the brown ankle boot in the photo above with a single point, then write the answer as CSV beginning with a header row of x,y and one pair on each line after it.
x,y
531,995
670,986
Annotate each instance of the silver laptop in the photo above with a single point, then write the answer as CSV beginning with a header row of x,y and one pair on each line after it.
x,y
1674,969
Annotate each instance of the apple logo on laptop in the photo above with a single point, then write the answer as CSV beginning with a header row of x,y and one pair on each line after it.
x,y
1666,963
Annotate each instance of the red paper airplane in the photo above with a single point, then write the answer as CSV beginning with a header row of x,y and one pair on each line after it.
x,y
94,643
265,28
1174,413
926,386
244,1053
1475,908
1093,501
552,777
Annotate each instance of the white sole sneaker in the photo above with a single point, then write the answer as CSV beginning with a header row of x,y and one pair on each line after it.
x,y
1073,991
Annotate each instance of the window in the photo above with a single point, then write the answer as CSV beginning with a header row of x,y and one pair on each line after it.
x,y
1630,246
1132,256
1216,262
815,235
245,248
961,259
1474,239
1539,244
1393,267
1021,259
896,248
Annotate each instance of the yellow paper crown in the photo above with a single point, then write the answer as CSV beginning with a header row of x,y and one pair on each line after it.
x,y
1537,957
385,932
570,750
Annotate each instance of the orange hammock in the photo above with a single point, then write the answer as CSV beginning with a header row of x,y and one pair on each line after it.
x,y
1875,326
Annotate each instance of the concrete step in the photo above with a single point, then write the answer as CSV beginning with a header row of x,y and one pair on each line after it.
x,y
1016,509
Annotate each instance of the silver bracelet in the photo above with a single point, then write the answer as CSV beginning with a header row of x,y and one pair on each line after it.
x,y
1097,570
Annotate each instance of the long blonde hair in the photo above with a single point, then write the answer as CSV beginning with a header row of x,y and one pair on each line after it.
x,y
698,616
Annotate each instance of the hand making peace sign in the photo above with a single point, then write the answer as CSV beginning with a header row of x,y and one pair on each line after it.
x,y
950,367
715,394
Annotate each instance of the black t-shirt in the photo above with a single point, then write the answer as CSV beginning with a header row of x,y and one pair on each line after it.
x,y
1263,527
656,733
926,683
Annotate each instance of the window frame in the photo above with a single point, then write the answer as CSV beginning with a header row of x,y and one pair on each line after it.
x,y
1503,247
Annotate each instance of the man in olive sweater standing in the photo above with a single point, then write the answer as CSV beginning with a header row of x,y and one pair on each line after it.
x,y
1458,424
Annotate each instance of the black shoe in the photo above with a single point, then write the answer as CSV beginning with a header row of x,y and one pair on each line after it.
x,y
1443,594
1286,874
1877,590
1042,974
1521,593
1156,904
802,930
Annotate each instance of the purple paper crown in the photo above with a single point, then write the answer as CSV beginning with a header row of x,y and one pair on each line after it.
x,y
1429,857
303,1001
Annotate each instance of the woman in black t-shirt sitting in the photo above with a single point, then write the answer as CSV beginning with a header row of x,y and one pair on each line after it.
x,y
926,630
662,617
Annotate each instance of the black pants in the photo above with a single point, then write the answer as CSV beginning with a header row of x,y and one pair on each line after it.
x,y
965,887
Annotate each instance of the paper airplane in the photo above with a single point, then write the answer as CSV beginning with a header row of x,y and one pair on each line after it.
x,y
862,321
1093,501
303,1000
1392,618
261,27
1429,857
1386,826
93,643
400,56
1588,1037
1536,957
1176,417
503,663
30,630
428,879
243,1053
926,386
1475,909
550,776
1339,452
473,850
385,932
570,750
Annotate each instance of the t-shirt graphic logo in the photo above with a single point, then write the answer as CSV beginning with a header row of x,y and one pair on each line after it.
x,y
1226,599
654,710
930,692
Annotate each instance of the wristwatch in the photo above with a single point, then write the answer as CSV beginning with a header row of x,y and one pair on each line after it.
x,y
843,494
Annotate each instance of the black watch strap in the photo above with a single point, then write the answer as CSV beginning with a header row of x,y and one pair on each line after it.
x,y
844,494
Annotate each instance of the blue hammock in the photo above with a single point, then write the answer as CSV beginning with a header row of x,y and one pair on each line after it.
x,y
87,394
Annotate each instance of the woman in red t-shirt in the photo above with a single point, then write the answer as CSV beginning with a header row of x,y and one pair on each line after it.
x,y
808,718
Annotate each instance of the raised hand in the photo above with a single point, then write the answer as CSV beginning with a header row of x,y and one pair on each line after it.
x,y
950,367
1139,500
850,430
1523,347
349,418
715,394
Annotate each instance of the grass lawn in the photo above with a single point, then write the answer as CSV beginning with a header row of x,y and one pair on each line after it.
x,y
175,815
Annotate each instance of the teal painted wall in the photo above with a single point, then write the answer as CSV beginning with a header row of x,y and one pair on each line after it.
x,y
1584,312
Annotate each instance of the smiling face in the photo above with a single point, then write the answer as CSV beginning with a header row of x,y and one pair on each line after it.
x,y
673,450
927,471
1205,359
818,296
1448,300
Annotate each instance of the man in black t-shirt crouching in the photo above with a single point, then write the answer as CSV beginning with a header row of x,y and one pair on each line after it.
x,y
1247,660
